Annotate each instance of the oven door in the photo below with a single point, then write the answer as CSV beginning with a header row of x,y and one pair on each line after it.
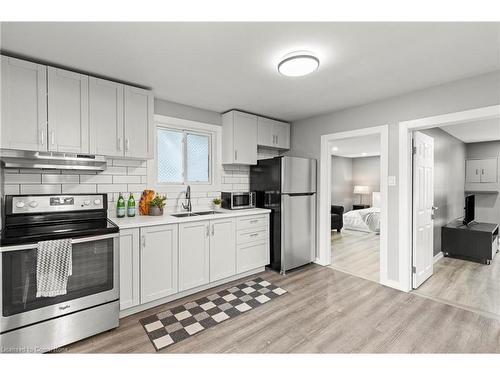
x,y
95,281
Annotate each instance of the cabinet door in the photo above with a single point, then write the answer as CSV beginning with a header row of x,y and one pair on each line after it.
x,y
489,170
282,134
472,171
265,135
252,255
159,257
245,138
194,251
129,268
106,117
138,122
24,105
68,94
222,249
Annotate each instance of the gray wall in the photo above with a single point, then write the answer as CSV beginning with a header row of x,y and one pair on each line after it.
x,y
342,182
487,206
479,91
163,107
449,180
366,171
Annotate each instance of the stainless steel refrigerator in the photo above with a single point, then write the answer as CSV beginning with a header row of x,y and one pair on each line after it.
x,y
287,186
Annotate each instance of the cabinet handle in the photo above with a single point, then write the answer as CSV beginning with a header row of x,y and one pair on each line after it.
x,y
477,171
213,229
235,154
253,221
482,171
127,144
42,137
277,139
52,137
208,230
120,144
254,235
143,241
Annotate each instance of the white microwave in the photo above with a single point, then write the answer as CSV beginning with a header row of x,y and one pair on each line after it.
x,y
238,201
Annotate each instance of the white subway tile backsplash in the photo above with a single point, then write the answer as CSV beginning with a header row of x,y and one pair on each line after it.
x,y
60,179
126,179
23,178
11,189
111,188
115,170
40,189
136,187
137,171
96,179
79,189
128,163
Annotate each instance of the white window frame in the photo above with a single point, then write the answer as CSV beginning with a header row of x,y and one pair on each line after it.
x,y
215,154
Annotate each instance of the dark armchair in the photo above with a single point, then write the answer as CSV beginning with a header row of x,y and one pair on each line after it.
x,y
337,217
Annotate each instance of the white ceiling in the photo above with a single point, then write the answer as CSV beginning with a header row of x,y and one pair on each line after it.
x,y
477,131
357,147
220,66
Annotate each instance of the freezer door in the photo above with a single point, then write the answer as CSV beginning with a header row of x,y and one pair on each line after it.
x,y
298,230
298,175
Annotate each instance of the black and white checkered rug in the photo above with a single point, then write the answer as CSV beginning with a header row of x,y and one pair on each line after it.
x,y
181,322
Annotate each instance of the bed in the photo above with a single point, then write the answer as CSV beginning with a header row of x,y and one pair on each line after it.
x,y
365,220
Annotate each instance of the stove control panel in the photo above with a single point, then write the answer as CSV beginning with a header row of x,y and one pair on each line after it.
x,y
22,204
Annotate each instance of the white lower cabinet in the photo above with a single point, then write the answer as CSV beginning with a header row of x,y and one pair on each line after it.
x,y
162,260
159,257
194,253
129,268
222,248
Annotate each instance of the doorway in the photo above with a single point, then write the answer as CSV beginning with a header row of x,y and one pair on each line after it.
x,y
334,244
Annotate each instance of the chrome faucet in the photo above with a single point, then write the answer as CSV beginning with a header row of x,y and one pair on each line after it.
x,y
188,198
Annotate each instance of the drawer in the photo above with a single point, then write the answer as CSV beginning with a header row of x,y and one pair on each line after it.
x,y
250,222
252,235
251,256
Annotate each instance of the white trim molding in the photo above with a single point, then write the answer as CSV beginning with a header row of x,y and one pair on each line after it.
x,y
324,233
438,257
406,128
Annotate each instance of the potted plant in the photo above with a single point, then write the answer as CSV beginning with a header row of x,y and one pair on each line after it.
x,y
156,205
217,203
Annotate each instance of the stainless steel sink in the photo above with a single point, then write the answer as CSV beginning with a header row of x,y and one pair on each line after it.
x,y
208,212
184,214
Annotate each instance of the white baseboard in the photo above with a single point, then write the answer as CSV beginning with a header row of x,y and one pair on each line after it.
x,y
438,256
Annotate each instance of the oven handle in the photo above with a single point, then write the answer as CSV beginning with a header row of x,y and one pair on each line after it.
x,y
73,242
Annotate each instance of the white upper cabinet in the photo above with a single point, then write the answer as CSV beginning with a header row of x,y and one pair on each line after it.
x,y
239,138
24,105
68,110
273,134
481,170
138,122
106,117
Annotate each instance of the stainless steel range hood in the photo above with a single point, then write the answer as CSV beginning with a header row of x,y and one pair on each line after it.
x,y
51,160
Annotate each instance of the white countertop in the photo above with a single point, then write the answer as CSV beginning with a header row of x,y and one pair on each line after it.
x,y
167,218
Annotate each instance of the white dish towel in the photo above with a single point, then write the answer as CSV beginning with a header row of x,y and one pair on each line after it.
x,y
54,266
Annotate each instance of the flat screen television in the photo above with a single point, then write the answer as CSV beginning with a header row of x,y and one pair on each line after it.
x,y
469,209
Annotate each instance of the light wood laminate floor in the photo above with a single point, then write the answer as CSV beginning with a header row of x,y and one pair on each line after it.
x,y
324,311
465,283
357,253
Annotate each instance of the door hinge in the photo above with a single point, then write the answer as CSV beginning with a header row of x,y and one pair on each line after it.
x,y
414,269
414,150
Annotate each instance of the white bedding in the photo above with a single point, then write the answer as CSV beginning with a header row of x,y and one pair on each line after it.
x,y
365,220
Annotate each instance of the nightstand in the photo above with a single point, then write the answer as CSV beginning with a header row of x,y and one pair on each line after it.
x,y
360,206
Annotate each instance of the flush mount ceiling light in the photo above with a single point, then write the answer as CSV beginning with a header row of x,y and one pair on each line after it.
x,y
298,64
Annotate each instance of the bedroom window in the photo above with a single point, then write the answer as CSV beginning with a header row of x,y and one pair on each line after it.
x,y
183,156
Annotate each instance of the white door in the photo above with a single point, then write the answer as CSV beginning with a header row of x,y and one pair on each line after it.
x,y
473,171
423,202
265,135
489,170
282,134
106,117
68,94
129,268
194,253
245,138
159,256
222,248
24,105
138,122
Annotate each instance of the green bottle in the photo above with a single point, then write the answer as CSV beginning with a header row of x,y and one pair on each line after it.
x,y
131,206
120,206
